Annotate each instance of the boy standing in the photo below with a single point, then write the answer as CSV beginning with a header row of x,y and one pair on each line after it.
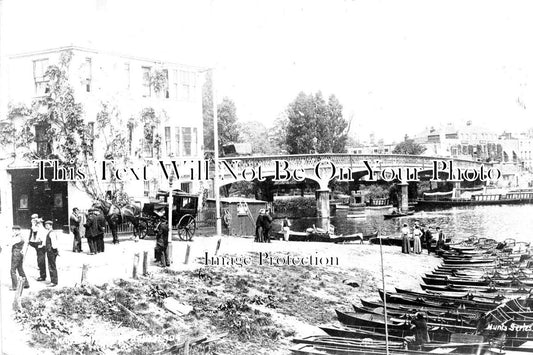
x,y
18,245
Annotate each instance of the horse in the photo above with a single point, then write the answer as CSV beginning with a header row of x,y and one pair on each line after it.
x,y
115,215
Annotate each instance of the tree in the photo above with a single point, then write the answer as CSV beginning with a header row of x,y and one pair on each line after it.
x,y
409,147
207,112
228,128
314,125
257,135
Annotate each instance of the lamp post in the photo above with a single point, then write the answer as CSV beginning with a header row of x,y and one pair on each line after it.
x,y
170,207
215,142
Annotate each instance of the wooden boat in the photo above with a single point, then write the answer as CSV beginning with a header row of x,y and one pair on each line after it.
x,y
327,238
458,320
397,215
395,325
352,332
435,301
442,311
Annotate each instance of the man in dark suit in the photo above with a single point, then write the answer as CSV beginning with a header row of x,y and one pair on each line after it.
x,y
100,228
91,230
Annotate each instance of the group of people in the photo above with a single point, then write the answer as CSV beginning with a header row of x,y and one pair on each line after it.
x,y
263,225
43,239
94,224
420,234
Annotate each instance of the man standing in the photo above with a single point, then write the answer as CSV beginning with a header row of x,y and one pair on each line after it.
x,y
440,239
90,231
36,240
100,229
429,239
161,242
51,252
267,226
75,220
18,245
259,226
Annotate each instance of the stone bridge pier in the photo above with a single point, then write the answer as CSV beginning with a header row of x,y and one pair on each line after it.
x,y
403,202
322,205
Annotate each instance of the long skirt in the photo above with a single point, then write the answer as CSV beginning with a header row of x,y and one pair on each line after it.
x,y
405,245
417,248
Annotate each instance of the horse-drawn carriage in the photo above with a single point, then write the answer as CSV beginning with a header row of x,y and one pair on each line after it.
x,y
184,212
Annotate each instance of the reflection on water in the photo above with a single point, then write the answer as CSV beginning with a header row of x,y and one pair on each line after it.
x,y
498,222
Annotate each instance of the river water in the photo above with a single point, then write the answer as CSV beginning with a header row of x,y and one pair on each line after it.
x,y
497,222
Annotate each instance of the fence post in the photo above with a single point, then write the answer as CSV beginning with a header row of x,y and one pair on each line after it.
x,y
187,253
84,270
135,264
218,246
18,293
186,347
145,263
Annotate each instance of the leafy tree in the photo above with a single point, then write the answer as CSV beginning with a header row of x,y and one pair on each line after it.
x,y
315,125
409,147
207,112
228,128
257,135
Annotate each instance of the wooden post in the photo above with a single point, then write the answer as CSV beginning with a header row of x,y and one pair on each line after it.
x,y
218,245
84,270
187,347
18,293
135,264
145,263
187,253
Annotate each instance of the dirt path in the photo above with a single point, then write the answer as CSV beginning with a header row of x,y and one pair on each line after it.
x,y
321,286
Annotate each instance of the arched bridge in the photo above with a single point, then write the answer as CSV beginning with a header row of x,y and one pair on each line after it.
x,y
322,167
345,167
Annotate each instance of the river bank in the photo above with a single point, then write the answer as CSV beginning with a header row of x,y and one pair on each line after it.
x,y
246,290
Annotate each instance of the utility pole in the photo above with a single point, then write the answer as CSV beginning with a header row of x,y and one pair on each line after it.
x,y
170,207
216,186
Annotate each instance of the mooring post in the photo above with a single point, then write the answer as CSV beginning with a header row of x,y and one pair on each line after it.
x,y
135,264
145,263
18,293
187,253
187,347
84,270
218,245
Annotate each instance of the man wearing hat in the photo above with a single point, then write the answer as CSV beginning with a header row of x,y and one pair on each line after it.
x,y
36,240
51,252
18,245
161,241
75,220
91,230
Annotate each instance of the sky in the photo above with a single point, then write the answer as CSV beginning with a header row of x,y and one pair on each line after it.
x,y
396,66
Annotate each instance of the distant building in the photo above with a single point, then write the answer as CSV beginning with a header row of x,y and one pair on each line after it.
x,y
465,141
127,84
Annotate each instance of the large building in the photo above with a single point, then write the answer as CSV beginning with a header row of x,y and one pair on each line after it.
x,y
129,90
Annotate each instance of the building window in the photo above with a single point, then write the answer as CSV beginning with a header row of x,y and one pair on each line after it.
x,y
58,200
44,146
87,77
147,89
175,83
185,186
177,140
187,140
127,76
194,142
187,88
39,76
166,88
148,146
23,202
146,188
168,143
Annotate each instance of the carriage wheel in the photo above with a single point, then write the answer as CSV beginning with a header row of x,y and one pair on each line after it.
x,y
186,227
142,229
